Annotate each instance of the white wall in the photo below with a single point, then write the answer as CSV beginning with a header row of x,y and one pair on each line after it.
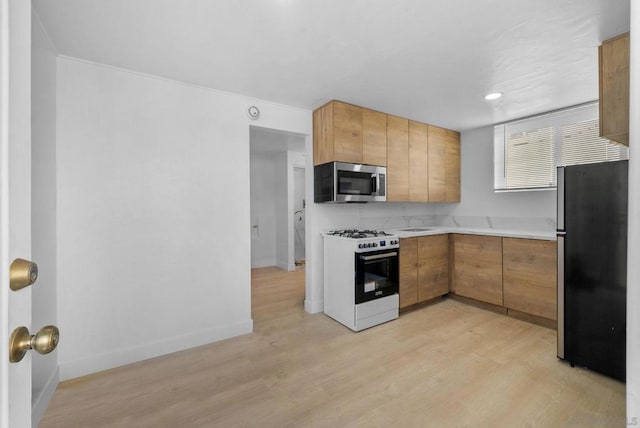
x,y
153,214
263,211
43,209
633,276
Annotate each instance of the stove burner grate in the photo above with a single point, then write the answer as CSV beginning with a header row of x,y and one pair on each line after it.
x,y
358,234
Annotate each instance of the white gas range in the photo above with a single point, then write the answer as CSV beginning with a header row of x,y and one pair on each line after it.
x,y
361,277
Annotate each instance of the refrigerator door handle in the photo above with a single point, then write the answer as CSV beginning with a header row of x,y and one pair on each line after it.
x,y
560,198
560,291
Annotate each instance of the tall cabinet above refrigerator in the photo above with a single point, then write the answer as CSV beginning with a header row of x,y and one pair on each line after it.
x,y
592,266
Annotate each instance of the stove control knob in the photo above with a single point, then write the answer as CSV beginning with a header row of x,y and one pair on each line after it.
x,y
375,245
361,246
369,245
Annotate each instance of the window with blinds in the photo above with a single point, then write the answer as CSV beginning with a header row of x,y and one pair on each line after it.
x,y
527,152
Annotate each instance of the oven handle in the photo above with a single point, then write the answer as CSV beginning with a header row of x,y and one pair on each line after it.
x,y
379,256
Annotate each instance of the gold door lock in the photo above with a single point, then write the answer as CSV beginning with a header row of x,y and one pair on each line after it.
x,y
43,342
22,273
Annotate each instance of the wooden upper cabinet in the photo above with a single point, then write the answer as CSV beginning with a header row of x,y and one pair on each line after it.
x,y
337,133
418,165
347,132
408,281
397,159
529,276
323,134
613,57
374,138
444,165
437,152
423,161
478,267
343,132
452,167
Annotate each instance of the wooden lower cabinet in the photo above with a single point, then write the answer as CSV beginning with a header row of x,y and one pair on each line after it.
x,y
515,273
408,272
529,276
433,266
477,272
424,268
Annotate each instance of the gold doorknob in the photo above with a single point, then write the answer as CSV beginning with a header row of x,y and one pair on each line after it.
x,y
22,273
43,342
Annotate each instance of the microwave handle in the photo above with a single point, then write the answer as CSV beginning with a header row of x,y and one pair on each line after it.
x,y
374,184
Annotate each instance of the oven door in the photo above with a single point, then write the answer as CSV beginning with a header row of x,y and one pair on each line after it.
x,y
376,275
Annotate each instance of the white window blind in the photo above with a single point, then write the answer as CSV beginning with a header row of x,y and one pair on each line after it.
x,y
581,144
527,152
529,159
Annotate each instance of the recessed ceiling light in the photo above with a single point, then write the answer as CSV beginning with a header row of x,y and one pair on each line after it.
x,y
493,96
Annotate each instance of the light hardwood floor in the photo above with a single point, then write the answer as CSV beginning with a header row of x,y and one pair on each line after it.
x,y
445,365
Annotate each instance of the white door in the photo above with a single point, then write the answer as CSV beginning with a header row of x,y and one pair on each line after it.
x,y
15,203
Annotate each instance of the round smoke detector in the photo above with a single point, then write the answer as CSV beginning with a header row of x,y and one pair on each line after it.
x,y
253,112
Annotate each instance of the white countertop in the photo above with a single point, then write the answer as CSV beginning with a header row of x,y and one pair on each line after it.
x,y
505,233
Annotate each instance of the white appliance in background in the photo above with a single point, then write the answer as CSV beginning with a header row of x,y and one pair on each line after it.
x,y
361,269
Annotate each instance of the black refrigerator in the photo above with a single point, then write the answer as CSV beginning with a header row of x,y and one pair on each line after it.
x,y
592,266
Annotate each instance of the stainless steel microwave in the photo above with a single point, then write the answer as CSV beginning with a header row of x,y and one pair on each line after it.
x,y
349,182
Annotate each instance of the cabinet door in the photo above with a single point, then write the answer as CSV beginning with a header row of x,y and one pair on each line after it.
x,y
374,138
437,152
397,159
452,167
614,89
433,266
408,272
347,132
478,267
323,134
418,151
529,270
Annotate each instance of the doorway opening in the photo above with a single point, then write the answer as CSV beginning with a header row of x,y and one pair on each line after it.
x,y
299,206
277,168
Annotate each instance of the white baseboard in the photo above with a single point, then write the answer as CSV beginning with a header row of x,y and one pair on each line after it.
x,y
287,266
313,307
121,357
41,402
262,263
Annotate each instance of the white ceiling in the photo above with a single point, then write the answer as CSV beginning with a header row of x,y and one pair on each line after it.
x,y
428,60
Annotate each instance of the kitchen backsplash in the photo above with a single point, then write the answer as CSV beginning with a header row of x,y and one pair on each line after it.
x,y
391,216
541,224
398,216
